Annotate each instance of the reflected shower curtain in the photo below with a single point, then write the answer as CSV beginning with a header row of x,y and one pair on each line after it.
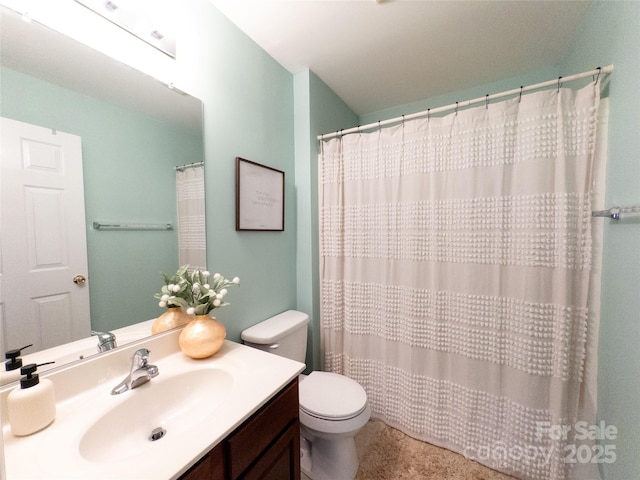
x,y
192,241
457,273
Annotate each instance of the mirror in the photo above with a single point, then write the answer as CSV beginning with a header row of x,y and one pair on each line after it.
x,y
134,132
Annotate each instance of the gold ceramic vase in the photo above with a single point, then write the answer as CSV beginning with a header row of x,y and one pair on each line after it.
x,y
172,318
202,337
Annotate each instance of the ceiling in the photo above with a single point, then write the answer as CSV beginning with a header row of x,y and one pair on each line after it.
x,y
380,54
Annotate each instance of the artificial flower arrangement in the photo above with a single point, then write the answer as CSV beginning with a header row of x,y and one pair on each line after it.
x,y
197,292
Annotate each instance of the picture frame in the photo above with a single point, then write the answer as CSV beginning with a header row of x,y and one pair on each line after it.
x,y
259,197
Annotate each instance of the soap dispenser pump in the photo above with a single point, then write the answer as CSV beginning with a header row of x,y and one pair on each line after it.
x,y
12,365
32,406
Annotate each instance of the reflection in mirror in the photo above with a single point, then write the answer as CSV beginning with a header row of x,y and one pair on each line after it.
x,y
132,132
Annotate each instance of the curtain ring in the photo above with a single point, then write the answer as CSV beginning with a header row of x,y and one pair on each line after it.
x,y
486,101
559,83
520,97
456,108
598,76
428,114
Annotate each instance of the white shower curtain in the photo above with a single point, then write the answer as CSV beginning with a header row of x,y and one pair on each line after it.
x,y
192,242
456,266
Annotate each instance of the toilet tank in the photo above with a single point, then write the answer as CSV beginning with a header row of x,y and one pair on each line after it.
x,y
284,334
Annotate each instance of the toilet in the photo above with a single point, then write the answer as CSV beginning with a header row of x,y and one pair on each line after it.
x,y
333,408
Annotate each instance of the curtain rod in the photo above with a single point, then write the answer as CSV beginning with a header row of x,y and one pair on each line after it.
x,y
558,81
182,168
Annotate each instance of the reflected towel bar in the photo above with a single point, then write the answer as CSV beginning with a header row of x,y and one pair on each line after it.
x,y
132,226
614,212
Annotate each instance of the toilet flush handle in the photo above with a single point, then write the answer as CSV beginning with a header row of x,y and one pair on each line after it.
x,y
274,346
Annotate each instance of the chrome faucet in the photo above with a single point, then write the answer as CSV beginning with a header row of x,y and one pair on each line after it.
x,y
141,372
106,341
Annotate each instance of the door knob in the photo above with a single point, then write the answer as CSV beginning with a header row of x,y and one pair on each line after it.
x,y
79,280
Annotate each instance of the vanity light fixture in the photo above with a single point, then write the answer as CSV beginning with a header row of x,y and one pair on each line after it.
x,y
149,20
112,7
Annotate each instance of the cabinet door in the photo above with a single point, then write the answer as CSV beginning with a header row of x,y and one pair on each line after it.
x,y
256,435
210,467
281,461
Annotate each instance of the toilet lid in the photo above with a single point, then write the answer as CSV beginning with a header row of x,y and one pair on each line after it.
x,y
331,396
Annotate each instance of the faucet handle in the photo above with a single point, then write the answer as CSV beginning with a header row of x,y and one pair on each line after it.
x,y
142,357
106,340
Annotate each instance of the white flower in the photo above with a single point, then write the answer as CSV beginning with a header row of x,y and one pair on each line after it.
x,y
198,291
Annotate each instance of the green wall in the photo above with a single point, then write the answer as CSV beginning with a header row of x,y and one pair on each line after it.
x,y
249,113
128,161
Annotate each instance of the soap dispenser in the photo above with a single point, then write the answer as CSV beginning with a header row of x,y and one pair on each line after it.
x,y
12,365
32,406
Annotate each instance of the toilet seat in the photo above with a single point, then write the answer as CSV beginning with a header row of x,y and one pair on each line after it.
x,y
330,396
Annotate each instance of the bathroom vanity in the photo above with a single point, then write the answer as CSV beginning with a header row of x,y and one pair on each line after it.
x,y
266,446
234,415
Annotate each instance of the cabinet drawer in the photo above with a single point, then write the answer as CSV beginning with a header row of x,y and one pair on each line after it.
x,y
257,433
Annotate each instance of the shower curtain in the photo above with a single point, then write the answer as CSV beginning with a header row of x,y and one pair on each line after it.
x,y
458,277
192,244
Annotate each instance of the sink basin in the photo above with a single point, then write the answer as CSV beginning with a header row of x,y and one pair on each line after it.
x,y
173,404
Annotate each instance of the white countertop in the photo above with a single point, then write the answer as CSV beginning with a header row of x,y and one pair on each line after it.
x,y
83,394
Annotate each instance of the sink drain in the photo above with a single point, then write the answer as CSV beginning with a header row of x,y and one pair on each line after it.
x,y
157,434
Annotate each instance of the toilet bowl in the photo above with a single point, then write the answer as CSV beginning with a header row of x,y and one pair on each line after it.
x,y
333,407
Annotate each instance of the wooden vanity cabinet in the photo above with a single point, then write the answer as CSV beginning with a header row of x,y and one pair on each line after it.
x,y
266,446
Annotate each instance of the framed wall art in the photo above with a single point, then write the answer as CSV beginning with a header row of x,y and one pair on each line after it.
x,y
259,197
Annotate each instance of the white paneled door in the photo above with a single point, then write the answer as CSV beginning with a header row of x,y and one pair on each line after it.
x,y
44,291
